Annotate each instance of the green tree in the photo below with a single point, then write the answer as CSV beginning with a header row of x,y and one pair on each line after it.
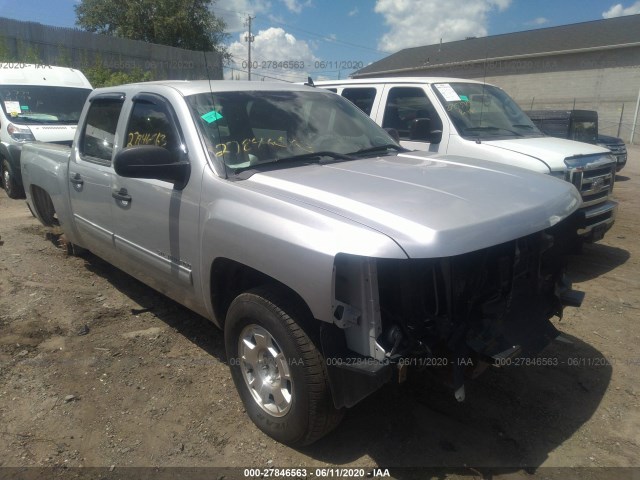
x,y
188,24
64,57
5,52
28,53
101,76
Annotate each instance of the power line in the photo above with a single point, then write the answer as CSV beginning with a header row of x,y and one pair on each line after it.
x,y
261,75
317,35
329,39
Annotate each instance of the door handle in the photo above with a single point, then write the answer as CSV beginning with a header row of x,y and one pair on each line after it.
x,y
122,195
76,179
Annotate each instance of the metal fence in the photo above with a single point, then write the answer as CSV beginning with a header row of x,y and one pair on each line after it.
x,y
31,42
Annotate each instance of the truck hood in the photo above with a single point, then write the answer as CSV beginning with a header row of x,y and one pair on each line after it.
x,y
430,205
53,133
609,139
552,151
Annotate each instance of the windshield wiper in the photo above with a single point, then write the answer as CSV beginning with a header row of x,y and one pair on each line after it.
x,y
312,157
519,125
492,129
379,148
43,121
319,155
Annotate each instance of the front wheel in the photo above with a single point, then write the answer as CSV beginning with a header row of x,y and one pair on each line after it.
x,y
9,182
279,373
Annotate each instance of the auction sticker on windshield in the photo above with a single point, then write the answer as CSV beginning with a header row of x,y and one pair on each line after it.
x,y
448,92
13,107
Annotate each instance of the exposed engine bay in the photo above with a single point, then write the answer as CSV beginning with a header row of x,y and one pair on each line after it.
x,y
463,313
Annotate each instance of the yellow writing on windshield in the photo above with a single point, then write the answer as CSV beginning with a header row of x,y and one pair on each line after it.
x,y
136,138
249,145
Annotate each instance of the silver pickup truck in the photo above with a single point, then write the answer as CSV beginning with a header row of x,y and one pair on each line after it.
x,y
333,259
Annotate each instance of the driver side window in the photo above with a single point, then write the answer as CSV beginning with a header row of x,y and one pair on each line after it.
x,y
152,124
404,106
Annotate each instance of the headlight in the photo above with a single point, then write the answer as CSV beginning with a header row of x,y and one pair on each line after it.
x,y
20,134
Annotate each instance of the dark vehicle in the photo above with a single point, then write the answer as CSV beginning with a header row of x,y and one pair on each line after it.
x,y
580,125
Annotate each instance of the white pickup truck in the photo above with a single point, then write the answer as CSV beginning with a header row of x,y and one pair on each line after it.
x,y
454,116
333,259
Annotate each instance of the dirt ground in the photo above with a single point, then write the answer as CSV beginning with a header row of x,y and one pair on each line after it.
x,y
98,370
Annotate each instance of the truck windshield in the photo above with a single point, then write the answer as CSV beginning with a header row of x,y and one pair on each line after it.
x,y
247,129
35,104
483,111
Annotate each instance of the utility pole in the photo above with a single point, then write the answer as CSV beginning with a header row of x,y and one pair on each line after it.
x,y
249,39
635,120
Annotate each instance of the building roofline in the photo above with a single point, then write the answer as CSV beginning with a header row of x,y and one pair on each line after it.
x,y
497,59
597,35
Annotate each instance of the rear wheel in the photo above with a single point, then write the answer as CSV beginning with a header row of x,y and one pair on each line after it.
x,y
279,373
44,206
9,182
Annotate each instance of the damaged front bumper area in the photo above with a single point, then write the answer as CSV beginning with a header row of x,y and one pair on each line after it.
x,y
460,314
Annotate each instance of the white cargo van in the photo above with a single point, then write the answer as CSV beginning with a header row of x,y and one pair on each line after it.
x,y
478,120
38,103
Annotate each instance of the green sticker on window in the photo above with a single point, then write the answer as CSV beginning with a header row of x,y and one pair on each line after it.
x,y
211,116
464,98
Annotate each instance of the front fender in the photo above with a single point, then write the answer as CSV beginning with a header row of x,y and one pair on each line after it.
x,y
293,244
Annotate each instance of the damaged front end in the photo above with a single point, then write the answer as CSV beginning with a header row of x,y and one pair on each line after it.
x,y
460,313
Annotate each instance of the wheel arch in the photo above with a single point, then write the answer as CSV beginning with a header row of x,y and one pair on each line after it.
x,y
229,278
43,206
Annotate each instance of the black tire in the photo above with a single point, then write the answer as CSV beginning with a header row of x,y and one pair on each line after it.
x,y
44,206
9,182
299,410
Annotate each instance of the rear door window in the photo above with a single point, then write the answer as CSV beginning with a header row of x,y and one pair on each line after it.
x,y
362,98
99,130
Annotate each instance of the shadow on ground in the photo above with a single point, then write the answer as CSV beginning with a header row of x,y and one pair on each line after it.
x,y
512,419
596,260
196,328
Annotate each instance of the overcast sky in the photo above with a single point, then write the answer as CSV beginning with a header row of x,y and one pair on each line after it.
x,y
329,38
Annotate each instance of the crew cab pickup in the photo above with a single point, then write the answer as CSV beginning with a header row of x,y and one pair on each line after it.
x,y
454,116
332,258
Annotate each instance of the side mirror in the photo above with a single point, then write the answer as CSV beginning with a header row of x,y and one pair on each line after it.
x,y
420,129
150,161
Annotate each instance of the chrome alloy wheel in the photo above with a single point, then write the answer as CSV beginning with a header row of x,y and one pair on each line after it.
x,y
265,370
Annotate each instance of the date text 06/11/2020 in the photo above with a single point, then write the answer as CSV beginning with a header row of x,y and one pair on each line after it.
x,y
302,65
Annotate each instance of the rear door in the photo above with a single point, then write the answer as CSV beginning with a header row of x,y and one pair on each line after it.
x,y
156,225
363,97
90,174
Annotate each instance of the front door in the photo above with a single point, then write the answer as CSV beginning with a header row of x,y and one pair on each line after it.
x,y
156,224
408,110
